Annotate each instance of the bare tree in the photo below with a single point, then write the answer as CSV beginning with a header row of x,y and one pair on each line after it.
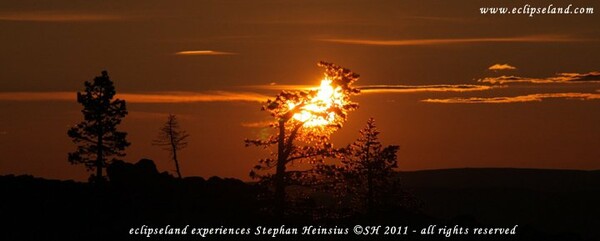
x,y
172,139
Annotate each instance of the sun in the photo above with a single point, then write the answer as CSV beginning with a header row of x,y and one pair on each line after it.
x,y
318,111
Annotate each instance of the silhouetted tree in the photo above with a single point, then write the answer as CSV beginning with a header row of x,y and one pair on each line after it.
x,y
172,139
366,170
292,141
96,136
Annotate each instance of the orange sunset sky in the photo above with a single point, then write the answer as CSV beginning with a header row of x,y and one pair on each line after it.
x,y
452,87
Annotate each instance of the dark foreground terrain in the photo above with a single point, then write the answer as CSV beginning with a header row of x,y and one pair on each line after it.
x,y
546,204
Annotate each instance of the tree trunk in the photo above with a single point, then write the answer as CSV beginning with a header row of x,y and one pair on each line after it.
x,y
175,160
280,172
370,192
369,179
99,156
173,146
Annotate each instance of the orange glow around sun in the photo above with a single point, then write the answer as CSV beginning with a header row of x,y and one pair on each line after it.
x,y
317,112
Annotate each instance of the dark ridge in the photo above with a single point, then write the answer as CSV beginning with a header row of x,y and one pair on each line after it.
x,y
546,204
533,179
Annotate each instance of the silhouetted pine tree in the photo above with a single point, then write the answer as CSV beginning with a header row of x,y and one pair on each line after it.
x,y
172,139
96,136
292,141
366,171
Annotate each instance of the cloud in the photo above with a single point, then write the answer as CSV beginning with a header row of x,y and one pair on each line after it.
x,y
516,99
57,17
157,97
38,96
424,88
389,88
145,115
497,67
274,86
591,77
183,97
577,77
412,42
203,52
258,124
438,19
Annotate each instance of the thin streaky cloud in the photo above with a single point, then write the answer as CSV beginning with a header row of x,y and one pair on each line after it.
x,y
149,98
258,124
516,99
145,115
590,77
424,88
57,17
204,52
440,19
497,67
274,86
413,42
389,88
189,97
38,96
311,21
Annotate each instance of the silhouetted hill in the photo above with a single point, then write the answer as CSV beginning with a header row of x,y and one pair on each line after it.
x,y
564,203
532,179
137,194
546,204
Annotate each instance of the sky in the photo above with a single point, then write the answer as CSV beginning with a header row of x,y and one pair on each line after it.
x,y
452,87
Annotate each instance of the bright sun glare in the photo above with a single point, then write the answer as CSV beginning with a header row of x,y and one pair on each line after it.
x,y
317,111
